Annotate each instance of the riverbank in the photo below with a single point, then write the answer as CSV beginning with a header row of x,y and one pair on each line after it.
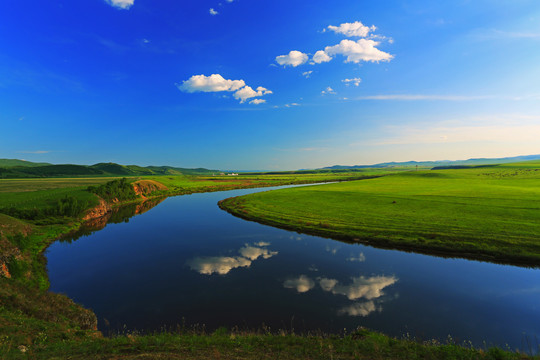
x,y
31,315
224,344
489,214
41,211
47,325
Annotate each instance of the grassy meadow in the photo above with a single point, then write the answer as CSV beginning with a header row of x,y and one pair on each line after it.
x,y
37,324
360,344
490,213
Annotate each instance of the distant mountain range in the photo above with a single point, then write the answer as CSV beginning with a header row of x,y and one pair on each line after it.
x,y
11,168
431,164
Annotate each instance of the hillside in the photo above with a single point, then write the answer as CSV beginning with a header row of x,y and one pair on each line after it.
x,y
4,163
37,170
441,163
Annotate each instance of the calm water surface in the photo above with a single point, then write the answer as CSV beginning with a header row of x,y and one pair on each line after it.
x,y
188,261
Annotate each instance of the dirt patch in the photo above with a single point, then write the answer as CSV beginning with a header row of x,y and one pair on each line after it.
x,y
144,188
99,211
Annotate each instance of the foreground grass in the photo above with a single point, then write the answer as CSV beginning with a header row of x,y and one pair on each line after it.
x,y
361,344
480,213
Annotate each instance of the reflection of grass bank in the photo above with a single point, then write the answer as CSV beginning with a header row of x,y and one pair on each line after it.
x,y
480,213
222,344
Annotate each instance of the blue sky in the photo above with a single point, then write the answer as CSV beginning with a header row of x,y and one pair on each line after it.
x,y
247,84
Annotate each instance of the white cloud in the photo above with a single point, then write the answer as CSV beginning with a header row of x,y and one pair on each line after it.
x,y
355,29
363,49
320,57
212,83
257,101
307,74
212,11
294,59
357,51
247,93
121,4
264,91
361,287
217,83
354,81
328,90
301,284
360,309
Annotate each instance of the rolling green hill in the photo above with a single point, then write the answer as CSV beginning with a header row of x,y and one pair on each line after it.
x,y
37,170
4,163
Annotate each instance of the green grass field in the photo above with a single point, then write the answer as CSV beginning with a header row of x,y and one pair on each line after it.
x,y
23,185
481,213
35,323
40,192
222,344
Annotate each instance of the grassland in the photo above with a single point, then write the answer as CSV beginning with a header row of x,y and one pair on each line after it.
x,y
222,344
35,323
488,213
24,194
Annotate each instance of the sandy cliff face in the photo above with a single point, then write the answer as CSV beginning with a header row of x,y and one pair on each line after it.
x,y
99,211
144,188
4,271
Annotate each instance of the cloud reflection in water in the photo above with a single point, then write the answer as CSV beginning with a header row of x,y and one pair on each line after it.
x,y
360,309
360,258
222,265
301,284
254,252
361,287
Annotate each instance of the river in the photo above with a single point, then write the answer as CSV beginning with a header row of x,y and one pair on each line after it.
x,y
186,262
